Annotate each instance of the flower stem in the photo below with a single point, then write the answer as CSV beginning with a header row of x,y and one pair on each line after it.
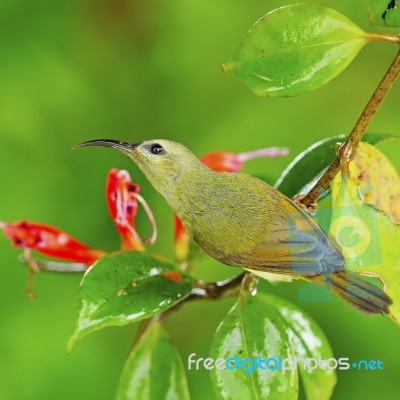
x,y
270,152
150,216
348,148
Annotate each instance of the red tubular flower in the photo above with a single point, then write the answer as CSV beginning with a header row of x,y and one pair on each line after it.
x,y
220,161
224,161
122,200
122,205
50,241
182,240
122,197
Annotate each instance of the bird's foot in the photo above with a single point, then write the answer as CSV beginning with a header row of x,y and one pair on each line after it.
x,y
309,209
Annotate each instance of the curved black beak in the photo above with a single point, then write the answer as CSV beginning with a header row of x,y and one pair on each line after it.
x,y
125,147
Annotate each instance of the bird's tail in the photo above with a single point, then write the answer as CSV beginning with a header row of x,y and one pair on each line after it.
x,y
360,294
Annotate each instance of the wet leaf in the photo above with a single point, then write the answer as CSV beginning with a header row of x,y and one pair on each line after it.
x,y
295,49
384,13
307,166
126,287
368,237
154,369
252,328
309,341
304,170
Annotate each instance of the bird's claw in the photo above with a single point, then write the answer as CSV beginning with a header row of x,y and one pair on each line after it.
x,y
309,209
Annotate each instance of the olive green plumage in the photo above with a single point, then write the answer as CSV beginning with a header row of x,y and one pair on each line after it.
x,y
241,221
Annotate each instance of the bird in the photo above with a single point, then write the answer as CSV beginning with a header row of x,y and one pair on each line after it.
x,y
242,221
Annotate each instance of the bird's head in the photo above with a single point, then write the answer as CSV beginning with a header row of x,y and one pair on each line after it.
x,y
163,162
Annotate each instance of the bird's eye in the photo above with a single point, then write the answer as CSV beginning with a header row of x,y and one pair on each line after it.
x,y
156,149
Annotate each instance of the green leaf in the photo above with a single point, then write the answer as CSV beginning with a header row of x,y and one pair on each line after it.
x,y
309,341
304,170
307,166
251,329
384,13
126,287
154,369
377,137
295,49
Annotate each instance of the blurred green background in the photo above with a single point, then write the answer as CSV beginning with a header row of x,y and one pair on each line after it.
x,y
129,69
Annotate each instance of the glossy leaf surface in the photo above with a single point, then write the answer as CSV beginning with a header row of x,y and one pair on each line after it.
x,y
252,328
126,287
295,49
154,369
309,342
311,162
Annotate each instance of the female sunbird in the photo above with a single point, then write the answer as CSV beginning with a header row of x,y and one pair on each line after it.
x,y
241,221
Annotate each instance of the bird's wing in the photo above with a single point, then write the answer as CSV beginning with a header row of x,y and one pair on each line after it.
x,y
293,245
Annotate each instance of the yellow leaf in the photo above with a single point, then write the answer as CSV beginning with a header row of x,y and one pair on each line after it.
x,y
368,237
377,179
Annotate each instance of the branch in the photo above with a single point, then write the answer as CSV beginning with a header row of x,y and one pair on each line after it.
x,y
216,290
348,149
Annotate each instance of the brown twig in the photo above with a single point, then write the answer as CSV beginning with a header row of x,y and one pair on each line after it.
x,y
348,149
216,290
